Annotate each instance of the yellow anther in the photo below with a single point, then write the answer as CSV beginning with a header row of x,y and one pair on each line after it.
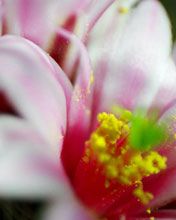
x,y
130,174
144,197
123,114
175,136
126,115
111,171
104,158
154,163
123,10
109,145
125,129
110,126
98,142
148,211
124,150
91,78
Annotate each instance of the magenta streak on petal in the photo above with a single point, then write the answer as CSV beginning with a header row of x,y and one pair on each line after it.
x,y
30,21
60,44
79,115
95,11
49,108
56,71
6,106
132,81
162,186
101,72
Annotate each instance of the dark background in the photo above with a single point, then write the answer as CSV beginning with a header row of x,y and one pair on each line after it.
x,y
170,6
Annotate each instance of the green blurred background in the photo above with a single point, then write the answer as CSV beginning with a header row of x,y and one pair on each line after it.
x,y
170,6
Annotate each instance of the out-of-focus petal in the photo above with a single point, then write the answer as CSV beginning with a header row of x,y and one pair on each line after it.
x,y
1,16
80,22
168,149
106,32
138,63
37,20
67,209
26,77
94,11
33,19
62,78
161,92
28,168
79,114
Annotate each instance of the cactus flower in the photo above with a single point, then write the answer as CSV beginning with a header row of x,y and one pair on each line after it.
x,y
104,146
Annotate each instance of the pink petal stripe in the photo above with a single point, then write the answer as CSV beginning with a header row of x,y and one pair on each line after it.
x,y
32,19
101,45
138,64
94,11
63,80
79,114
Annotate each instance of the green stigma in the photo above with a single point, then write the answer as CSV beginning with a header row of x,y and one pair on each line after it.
x,y
145,133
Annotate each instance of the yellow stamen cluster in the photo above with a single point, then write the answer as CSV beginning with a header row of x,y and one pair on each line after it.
x,y
125,165
123,10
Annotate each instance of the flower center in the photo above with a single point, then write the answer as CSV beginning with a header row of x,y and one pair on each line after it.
x,y
122,146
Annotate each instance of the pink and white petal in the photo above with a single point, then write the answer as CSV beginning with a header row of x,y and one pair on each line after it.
x,y
1,17
37,20
29,83
34,20
100,39
168,149
28,167
63,80
79,114
100,46
67,209
161,91
136,64
94,11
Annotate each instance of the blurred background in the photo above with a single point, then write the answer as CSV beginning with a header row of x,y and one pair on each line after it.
x,y
170,6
